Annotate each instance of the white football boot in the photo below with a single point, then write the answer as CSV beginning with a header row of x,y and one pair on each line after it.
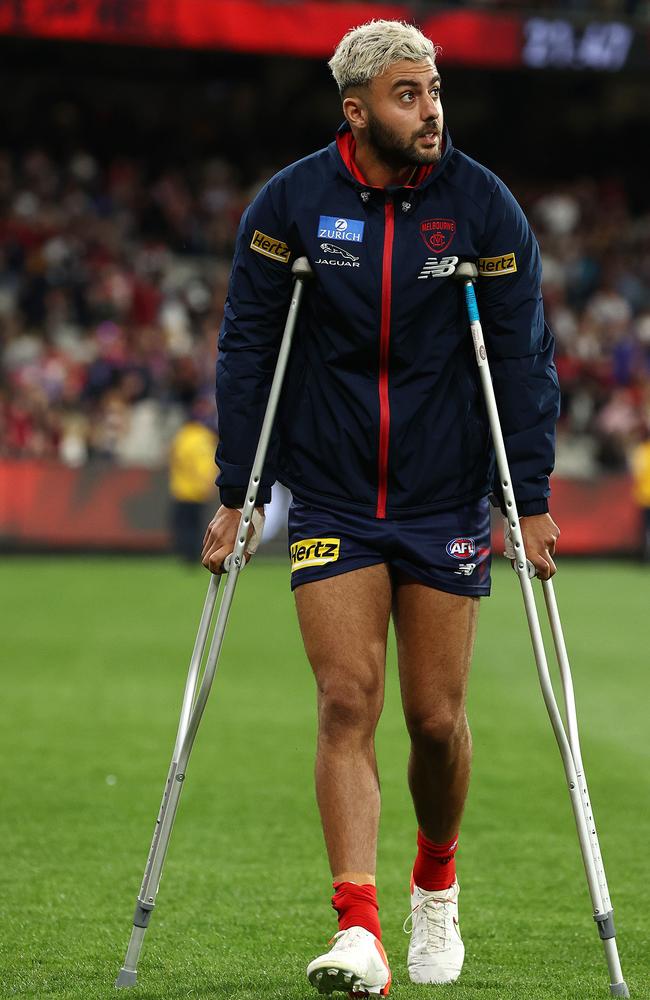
x,y
355,964
436,950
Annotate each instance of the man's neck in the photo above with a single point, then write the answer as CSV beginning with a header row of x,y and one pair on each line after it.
x,y
380,174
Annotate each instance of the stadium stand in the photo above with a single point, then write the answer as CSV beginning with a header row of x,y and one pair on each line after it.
x,y
119,204
111,289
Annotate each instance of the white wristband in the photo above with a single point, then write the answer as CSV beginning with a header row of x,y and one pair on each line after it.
x,y
509,549
257,523
508,541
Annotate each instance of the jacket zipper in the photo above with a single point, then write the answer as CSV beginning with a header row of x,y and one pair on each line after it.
x,y
384,355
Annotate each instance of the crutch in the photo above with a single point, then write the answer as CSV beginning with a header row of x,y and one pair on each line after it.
x,y
194,703
568,743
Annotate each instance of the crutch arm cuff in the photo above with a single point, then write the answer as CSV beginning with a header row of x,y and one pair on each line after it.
x,y
235,496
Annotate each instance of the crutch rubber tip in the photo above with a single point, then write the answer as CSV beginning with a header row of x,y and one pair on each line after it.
x,y
129,978
619,989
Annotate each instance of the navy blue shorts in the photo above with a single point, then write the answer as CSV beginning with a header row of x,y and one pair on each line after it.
x,y
449,550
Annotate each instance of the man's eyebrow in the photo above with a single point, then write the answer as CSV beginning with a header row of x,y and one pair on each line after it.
x,y
414,83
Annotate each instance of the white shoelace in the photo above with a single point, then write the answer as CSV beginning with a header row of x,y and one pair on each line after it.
x,y
438,920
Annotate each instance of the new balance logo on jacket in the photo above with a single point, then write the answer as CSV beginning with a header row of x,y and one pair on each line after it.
x,y
439,268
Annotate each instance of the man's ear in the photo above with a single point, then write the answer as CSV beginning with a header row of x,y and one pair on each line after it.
x,y
355,111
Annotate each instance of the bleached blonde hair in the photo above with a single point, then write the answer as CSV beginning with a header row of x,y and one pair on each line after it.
x,y
368,50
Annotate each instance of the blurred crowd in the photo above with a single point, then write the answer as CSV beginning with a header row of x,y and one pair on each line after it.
x,y
112,282
111,292
596,286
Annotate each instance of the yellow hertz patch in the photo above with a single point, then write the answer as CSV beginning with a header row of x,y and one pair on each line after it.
x,y
489,266
314,552
270,247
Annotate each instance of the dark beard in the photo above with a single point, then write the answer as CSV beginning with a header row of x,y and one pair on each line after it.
x,y
395,152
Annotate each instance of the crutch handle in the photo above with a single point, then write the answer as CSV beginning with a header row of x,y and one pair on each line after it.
x,y
228,561
530,569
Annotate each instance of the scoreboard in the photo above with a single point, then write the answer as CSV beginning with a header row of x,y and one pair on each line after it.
x,y
556,43
306,28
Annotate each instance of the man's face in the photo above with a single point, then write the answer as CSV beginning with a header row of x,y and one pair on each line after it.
x,y
404,114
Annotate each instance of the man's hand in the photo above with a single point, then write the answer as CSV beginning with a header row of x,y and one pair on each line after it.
x,y
220,537
540,533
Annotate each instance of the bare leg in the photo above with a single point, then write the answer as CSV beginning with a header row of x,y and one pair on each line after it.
x,y
435,638
344,624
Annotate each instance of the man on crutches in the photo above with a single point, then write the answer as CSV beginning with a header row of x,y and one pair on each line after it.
x,y
382,439
385,420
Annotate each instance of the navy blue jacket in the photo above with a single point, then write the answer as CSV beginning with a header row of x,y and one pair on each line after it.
x,y
381,411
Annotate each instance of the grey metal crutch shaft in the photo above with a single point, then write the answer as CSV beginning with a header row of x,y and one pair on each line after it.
x,y
569,746
194,703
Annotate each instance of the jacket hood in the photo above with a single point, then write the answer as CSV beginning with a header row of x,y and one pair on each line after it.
x,y
343,149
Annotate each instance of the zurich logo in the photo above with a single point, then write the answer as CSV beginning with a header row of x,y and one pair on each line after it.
x,y
461,548
334,227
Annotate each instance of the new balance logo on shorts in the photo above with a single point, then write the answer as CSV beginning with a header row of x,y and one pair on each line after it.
x,y
314,552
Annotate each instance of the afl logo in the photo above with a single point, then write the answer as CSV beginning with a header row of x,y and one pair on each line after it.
x,y
461,548
341,225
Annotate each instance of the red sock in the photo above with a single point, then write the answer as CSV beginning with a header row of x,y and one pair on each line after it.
x,y
435,866
357,906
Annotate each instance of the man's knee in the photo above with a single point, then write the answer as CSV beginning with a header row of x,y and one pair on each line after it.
x,y
349,706
440,730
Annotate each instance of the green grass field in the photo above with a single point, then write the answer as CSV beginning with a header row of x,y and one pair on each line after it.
x,y
94,655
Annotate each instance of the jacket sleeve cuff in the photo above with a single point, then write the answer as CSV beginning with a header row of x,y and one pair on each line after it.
x,y
531,507
235,496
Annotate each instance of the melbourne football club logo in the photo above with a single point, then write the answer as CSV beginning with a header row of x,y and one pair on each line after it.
x,y
438,233
461,548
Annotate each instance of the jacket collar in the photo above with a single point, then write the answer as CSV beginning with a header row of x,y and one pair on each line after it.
x,y
343,152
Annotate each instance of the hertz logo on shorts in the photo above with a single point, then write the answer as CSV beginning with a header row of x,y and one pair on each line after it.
x,y
270,247
489,266
314,552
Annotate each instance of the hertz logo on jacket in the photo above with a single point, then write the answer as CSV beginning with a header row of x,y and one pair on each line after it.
x,y
314,552
270,247
489,266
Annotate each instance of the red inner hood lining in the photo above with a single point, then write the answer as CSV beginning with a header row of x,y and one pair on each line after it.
x,y
347,148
